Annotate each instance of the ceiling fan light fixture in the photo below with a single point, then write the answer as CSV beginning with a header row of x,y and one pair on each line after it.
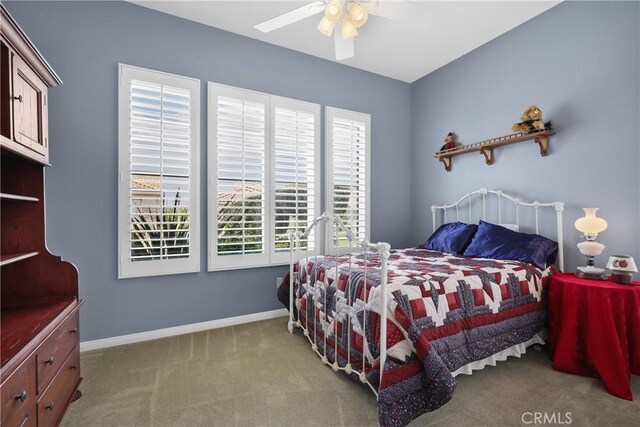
x,y
349,29
326,26
333,12
358,14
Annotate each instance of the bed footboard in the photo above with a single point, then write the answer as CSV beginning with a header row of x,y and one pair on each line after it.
x,y
333,224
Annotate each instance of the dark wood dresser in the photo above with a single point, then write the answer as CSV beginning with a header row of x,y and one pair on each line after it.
x,y
39,328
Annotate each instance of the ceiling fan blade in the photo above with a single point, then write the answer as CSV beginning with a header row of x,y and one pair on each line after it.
x,y
345,48
293,16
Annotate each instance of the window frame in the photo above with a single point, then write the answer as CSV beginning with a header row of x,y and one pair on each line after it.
x,y
269,257
191,264
330,114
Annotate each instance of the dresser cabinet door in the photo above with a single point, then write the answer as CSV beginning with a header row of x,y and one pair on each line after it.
x,y
29,100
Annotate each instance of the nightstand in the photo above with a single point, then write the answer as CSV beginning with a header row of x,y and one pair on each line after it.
x,y
595,330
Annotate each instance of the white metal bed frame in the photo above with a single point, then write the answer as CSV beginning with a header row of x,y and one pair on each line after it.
x,y
383,250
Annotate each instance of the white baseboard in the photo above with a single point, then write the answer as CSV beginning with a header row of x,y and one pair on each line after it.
x,y
180,330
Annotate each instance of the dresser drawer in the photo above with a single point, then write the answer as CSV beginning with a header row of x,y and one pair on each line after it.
x,y
53,402
19,396
53,352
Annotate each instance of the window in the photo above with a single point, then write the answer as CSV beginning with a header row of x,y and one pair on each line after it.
x,y
158,150
263,175
348,142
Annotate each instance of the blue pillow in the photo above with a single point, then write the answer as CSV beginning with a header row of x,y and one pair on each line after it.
x,y
496,242
452,238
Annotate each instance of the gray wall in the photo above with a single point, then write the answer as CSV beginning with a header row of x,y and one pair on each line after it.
x,y
579,62
84,42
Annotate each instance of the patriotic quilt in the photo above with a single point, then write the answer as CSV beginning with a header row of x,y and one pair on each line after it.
x,y
444,312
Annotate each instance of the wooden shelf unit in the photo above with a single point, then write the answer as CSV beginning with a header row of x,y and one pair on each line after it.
x,y
486,147
39,302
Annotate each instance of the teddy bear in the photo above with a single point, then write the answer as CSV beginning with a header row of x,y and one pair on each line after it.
x,y
532,121
449,142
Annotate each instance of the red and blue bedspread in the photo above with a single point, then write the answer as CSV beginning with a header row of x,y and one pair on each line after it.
x,y
444,312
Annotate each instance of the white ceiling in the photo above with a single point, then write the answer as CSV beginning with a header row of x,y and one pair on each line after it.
x,y
422,37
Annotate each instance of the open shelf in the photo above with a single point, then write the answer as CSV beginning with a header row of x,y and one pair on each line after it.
x,y
8,196
9,258
19,325
486,147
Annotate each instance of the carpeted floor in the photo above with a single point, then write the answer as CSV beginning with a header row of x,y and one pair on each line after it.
x,y
258,375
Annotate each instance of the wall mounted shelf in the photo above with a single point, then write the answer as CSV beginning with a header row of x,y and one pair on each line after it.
x,y
486,147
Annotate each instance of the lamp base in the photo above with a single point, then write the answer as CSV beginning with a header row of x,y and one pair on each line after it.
x,y
592,273
621,277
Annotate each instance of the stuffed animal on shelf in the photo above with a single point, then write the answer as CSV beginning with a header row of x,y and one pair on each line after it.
x,y
449,141
531,121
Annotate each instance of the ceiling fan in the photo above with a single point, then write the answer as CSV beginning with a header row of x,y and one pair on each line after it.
x,y
348,15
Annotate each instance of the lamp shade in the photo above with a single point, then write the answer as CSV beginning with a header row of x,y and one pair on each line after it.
x,y
590,224
622,263
326,26
358,14
348,29
333,12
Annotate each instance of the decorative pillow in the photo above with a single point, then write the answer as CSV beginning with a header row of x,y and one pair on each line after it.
x,y
452,238
496,242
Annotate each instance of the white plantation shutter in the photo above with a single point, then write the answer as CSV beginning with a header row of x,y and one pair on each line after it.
x,y
295,173
238,137
158,190
241,176
348,171
264,176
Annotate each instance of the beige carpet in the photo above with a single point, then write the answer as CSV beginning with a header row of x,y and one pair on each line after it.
x,y
258,375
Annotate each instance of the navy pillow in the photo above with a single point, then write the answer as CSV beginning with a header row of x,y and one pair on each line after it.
x,y
496,242
452,238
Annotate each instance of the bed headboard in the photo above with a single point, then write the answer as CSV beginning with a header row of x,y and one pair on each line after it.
x,y
464,203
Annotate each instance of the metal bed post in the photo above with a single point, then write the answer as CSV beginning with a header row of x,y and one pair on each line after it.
x,y
314,276
433,217
348,367
383,251
363,377
484,203
336,280
292,245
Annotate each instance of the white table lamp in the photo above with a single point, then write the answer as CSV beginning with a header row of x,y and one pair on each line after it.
x,y
590,225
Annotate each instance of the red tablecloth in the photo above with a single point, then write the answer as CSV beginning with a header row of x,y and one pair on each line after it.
x,y
595,330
